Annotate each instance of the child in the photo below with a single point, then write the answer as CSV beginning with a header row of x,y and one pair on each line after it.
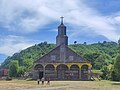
x,y
42,80
48,81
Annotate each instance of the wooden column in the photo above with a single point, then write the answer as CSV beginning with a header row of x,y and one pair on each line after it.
x,y
44,71
79,73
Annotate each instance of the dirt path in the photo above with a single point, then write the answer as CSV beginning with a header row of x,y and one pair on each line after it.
x,y
62,86
47,88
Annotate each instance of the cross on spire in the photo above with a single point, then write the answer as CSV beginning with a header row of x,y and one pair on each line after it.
x,y
61,19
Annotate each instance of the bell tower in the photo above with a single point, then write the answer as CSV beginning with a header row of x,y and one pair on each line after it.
x,y
61,38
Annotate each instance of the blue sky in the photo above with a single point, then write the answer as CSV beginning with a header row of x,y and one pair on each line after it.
x,y
25,23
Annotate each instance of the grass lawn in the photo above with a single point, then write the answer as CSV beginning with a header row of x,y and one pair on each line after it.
x,y
60,85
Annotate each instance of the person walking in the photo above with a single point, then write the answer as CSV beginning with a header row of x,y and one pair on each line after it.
x,y
48,81
38,81
43,79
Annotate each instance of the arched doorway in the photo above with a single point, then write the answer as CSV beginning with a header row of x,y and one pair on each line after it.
x,y
74,72
40,70
62,72
50,71
84,72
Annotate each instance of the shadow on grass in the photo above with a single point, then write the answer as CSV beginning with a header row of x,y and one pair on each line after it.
x,y
115,83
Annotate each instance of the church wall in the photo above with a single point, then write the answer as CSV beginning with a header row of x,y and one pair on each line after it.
x,y
35,74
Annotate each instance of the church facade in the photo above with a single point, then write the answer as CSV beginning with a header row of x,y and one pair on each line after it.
x,y
62,63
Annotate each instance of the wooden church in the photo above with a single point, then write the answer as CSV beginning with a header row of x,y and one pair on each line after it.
x,y
62,63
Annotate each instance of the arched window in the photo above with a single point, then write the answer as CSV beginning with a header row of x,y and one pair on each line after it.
x,y
50,71
74,72
62,67
62,71
74,67
49,67
38,67
84,72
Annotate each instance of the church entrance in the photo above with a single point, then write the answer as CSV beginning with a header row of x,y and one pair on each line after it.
x,y
39,69
40,74
62,72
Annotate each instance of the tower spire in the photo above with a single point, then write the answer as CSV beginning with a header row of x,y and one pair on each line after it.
x,y
61,19
61,38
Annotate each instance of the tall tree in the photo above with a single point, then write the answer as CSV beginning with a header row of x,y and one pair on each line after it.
x,y
105,73
21,71
116,69
13,68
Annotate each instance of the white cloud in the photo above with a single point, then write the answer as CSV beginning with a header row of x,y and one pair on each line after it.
x,y
11,44
94,22
43,12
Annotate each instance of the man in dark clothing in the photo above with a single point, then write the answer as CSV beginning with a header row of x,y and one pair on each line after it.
x,y
38,81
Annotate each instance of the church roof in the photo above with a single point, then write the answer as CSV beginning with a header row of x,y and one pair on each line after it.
x,y
54,56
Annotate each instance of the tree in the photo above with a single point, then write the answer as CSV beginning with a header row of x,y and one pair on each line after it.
x,y
105,73
13,68
28,64
21,71
113,75
75,42
85,43
117,68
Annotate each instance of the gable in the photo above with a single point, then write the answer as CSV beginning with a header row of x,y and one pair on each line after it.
x,y
54,56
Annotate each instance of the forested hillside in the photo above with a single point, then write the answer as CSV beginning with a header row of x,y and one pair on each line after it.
x,y
98,54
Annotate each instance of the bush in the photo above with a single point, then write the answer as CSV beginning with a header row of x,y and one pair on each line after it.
x,y
8,78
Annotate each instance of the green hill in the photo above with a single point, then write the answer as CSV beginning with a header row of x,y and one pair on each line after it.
x,y
98,54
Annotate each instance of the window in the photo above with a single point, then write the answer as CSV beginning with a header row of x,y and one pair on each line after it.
x,y
53,57
71,58
62,49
